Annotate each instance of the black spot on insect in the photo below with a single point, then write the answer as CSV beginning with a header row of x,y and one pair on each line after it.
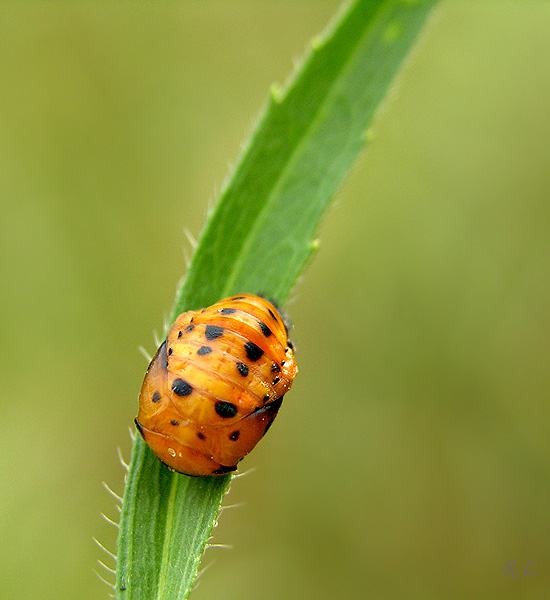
x,y
201,436
242,368
271,313
252,351
213,331
266,397
276,404
174,422
226,410
290,345
189,328
160,356
265,329
269,411
270,408
181,387
223,469
139,427
234,436
237,298
283,362
228,311
180,333
276,380
275,368
204,350
156,397
169,351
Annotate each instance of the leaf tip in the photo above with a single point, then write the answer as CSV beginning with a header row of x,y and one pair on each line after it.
x,y
317,42
368,135
276,92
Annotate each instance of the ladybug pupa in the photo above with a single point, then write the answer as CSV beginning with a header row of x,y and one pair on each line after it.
x,y
216,384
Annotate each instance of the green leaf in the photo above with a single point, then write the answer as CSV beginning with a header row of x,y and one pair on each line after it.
x,y
258,239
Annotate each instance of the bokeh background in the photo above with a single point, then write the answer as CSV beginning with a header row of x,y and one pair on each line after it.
x,y
412,459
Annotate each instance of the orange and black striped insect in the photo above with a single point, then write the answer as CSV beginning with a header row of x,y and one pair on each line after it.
x,y
216,384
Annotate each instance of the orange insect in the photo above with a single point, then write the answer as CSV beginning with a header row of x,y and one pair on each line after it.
x,y
216,384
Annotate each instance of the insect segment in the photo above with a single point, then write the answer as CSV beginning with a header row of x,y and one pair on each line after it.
x,y
216,384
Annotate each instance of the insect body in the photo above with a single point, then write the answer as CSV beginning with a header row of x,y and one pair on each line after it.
x,y
216,384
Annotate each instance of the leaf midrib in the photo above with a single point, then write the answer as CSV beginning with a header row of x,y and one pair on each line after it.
x,y
167,538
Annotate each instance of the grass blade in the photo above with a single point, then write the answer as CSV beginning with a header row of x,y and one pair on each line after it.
x,y
258,239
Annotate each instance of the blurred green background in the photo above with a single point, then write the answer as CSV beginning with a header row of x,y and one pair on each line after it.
x,y
412,458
